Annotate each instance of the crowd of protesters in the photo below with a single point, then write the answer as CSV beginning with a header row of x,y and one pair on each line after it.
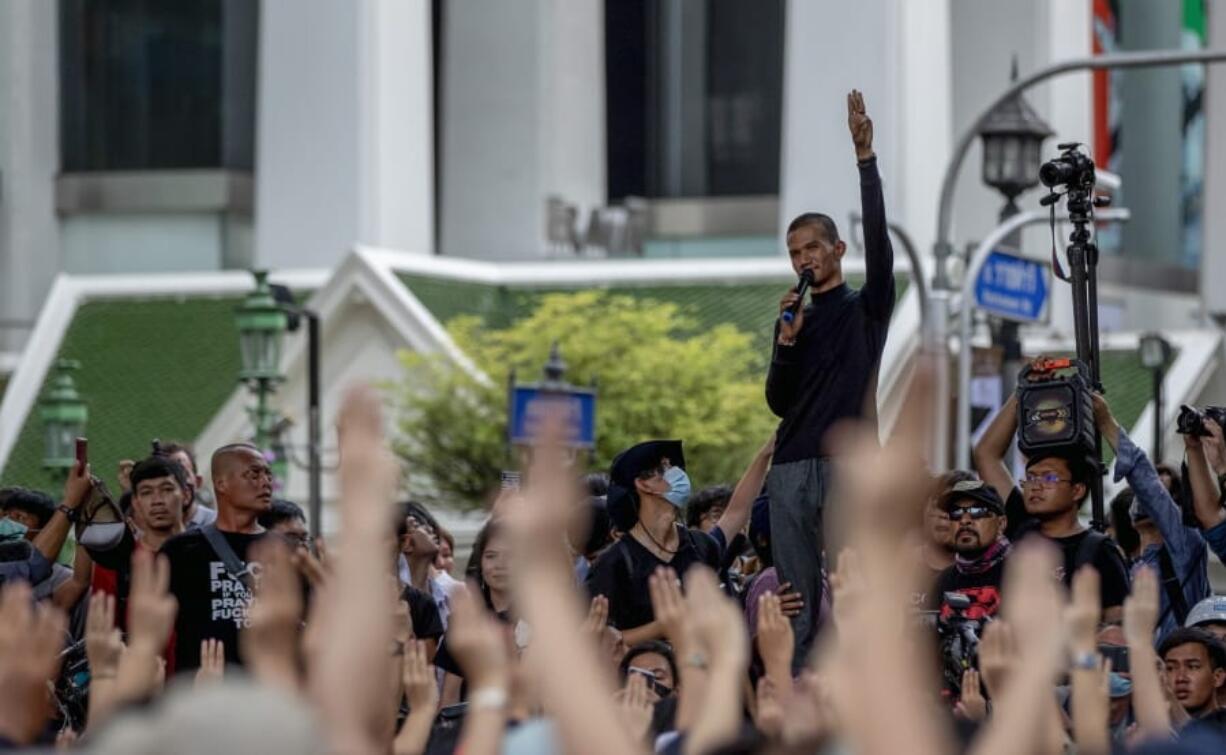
x,y
838,597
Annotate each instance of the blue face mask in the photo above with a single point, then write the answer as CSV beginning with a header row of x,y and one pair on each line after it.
x,y
678,486
11,529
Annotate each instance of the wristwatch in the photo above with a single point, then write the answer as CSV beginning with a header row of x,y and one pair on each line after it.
x,y
69,512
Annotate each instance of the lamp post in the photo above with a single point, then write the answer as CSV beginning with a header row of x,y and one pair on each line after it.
x,y
294,314
1155,353
64,415
1012,134
261,327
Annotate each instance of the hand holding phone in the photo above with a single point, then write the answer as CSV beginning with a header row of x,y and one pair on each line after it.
x,y
82,455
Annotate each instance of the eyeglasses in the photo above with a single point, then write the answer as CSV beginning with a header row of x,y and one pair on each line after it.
x,y
1048,480
975,512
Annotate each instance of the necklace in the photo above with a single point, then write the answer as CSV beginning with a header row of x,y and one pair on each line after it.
x,y
657,543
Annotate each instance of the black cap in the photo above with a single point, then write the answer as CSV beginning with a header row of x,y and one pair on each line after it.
x,y
976,490
622,502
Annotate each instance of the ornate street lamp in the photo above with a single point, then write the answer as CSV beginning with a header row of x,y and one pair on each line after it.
x,y
1155,352
1012,136
261,327
64,417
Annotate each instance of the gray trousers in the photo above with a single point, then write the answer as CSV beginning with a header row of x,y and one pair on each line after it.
x,y
798,492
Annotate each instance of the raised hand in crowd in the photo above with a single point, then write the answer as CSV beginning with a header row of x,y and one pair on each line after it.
x,y
269,644
103,648
341,669
775,644
1026,715
212,662
1089,675
421,691
722,642
479,645
549,602
31,637
151,616
1150,704
634,707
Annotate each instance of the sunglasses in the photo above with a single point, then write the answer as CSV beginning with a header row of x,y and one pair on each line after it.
x,y
975,512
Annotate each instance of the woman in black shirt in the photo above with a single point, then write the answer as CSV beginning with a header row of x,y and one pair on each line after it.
x,y
648,487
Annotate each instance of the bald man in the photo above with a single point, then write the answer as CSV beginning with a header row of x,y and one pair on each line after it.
x,y
213,597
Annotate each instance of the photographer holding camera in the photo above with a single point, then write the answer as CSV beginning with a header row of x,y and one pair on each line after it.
x,y
1177,554
1206,453
824,370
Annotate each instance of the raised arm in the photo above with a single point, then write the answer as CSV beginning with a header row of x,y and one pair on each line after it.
x,y
989,453
49,541
1206,496
736,515
878,290
1152,496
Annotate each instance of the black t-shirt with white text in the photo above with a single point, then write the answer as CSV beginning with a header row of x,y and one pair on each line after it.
x,y
212,605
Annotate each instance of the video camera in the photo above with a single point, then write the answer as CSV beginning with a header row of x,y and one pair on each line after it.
x,y
1055,409
958,640
1192,420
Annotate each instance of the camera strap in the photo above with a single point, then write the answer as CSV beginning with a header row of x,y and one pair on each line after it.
x,y
235,568
1055,258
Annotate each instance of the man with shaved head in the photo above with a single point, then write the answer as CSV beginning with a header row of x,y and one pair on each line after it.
x,y
209,572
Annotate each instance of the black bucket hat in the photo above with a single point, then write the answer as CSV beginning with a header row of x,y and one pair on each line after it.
x,y
622,503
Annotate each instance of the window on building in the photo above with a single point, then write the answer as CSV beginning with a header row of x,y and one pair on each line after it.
x,y
695,96
149,84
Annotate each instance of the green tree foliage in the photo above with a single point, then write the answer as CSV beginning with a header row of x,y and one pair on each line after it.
x,y
657,377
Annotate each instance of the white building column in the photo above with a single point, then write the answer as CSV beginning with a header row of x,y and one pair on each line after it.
x,y
29,161
522,119
1213,255
925,133
396,81
819,173
344,129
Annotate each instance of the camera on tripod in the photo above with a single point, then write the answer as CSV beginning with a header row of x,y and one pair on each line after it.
x,y
1192,420
1072,168
1055,409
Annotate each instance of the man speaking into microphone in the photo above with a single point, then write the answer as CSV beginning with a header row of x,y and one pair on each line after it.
x,y
824,370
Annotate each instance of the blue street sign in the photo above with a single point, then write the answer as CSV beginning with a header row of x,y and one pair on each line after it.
x,y
1012,287
578,406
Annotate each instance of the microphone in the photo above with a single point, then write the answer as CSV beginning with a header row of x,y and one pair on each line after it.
x,y
806,280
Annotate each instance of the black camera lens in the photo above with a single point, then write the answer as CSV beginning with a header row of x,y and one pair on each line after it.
x,y
1055,173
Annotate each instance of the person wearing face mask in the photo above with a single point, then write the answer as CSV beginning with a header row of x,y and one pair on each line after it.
x,y
648,488
34,563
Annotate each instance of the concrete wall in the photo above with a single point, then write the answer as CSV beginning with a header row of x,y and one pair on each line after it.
x,y
29,159
823,37
344,129
523,118
1213,258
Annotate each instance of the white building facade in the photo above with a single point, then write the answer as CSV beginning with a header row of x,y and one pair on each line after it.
x,y
227,134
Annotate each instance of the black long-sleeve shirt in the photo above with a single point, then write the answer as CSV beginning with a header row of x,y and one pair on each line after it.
x,y
830,374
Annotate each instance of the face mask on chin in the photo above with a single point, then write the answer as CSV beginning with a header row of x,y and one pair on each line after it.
x,y
678,486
